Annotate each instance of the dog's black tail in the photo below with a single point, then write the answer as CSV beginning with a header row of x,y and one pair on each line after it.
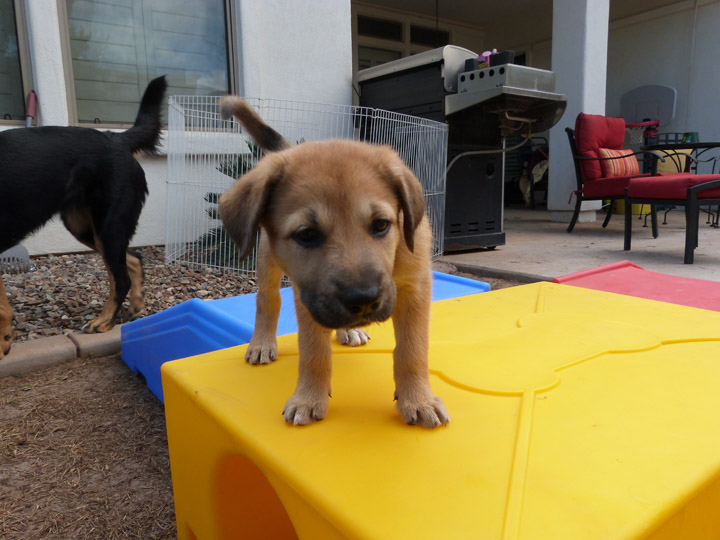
x,y
145,133
264,136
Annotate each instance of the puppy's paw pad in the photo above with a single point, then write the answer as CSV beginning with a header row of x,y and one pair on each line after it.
x,y
301,411
353,337
262,354
428,412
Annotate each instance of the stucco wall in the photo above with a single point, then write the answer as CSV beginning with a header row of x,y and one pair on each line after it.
x,y
299,51
663,53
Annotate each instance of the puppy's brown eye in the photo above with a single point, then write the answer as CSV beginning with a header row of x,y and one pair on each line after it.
x,y
380,227
308,237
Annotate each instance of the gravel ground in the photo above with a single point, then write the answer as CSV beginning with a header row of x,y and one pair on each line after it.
x,y
63,292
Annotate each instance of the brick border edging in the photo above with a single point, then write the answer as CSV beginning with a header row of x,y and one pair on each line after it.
x,y
28,356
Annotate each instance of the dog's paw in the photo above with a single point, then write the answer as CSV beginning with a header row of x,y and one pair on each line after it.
x,y
304,409
5,342
261,353
136,312
428,410
98,326
352,337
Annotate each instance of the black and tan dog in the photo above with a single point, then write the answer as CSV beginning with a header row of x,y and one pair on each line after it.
x,y
93,181
346,222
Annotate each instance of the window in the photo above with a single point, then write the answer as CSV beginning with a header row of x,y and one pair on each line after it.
x,y
118,46
420,35
381,36
12,101
379,28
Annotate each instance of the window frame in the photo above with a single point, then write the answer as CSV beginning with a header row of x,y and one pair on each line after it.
x,y
26,78
231,44
404,47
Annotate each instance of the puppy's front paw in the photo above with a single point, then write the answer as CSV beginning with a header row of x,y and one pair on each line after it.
x,y
261,353
426,410
302,409
352,337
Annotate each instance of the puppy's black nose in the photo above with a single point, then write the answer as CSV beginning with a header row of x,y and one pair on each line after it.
x,y
361,302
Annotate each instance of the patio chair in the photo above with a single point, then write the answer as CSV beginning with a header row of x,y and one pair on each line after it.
x,y
602,167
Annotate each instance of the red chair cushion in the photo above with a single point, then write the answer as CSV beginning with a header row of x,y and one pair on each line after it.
x,y
593,132
622,166
613,186
671,186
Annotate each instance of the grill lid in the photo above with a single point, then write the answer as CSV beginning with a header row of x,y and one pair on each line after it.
x,y
452,59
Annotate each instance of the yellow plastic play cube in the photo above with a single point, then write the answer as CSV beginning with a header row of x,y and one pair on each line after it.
x,y
576,414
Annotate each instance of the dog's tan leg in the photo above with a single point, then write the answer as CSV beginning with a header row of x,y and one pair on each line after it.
x,y
262,348
411,321
352,337
134,266
106,320
5,321
80,224
310,400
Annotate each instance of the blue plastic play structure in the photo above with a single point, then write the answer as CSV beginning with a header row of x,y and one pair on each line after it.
x,y
201,326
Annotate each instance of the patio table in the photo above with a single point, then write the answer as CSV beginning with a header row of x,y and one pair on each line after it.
x,y
698,147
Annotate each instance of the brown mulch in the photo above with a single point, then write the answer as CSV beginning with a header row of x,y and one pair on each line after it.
x,y
83,454
83,448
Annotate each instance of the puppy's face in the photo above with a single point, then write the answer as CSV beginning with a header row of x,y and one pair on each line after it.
x,y
336,213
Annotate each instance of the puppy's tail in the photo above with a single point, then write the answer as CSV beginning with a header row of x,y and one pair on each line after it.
x,y
145,133
264,136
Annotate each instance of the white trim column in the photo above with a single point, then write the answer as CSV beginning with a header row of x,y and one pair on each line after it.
x,y
579,61
43,31
298,51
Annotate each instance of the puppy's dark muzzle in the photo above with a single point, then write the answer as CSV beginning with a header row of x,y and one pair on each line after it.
x,y
361,303
349,307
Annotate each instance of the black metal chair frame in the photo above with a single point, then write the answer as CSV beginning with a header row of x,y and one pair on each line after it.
x,y
579,197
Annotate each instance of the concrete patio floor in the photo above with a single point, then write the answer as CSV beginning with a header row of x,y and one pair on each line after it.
x,y
537,248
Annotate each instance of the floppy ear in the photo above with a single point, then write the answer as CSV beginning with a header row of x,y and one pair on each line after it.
x,y
243,205
408,190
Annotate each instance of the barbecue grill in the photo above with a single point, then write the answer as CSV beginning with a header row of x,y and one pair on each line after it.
x,y
482,107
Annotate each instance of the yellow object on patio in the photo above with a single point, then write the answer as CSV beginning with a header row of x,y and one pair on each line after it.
x,y
574,414
637,209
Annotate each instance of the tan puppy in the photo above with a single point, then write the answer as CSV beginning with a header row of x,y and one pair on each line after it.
x,y
346,222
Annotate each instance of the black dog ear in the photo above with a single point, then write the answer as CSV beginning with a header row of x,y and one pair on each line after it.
x,y
243,205
408,190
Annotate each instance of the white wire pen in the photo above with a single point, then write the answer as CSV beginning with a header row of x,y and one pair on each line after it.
x,y
206,154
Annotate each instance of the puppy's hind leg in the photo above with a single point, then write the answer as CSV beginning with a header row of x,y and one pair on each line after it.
x,y
5,321
262,348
